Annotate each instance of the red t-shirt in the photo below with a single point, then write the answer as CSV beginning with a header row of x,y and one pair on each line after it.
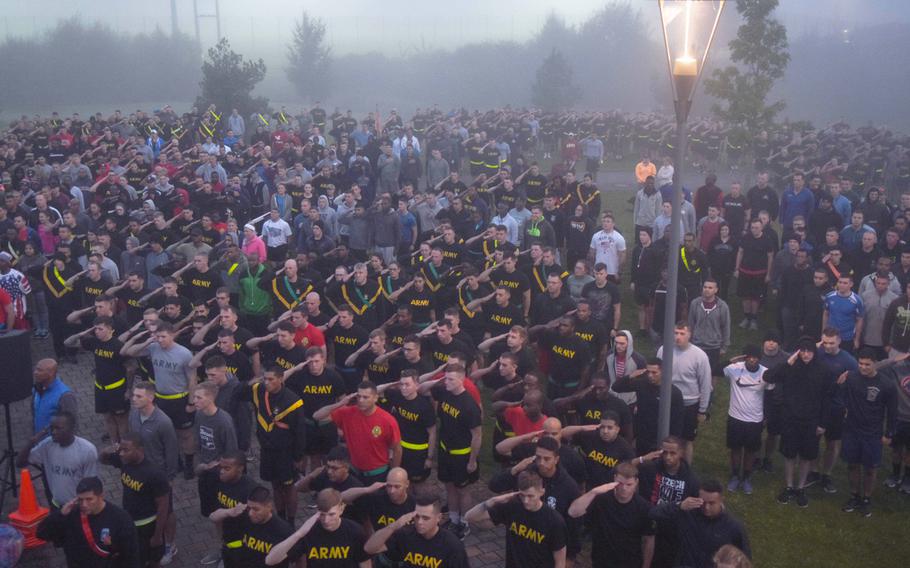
x,y
310,336
516,417
368,438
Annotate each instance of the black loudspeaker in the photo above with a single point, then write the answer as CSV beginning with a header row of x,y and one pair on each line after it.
x,y
15,366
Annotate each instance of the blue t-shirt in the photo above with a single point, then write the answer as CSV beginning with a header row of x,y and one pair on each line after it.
x,y
837,364
842,313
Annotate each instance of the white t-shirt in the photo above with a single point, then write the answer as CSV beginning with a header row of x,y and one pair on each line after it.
x,y
747,392
276,233
607,247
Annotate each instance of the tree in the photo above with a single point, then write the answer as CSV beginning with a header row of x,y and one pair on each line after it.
x,y
309,59
552,89
228,81
760,56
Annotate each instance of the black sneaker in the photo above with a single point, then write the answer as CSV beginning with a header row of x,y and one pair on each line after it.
x,y
813,478
460,530
865,508
828,484
851,505
802,500
785,496
464,531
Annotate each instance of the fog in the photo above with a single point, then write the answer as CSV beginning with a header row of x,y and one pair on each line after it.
x,y
483,54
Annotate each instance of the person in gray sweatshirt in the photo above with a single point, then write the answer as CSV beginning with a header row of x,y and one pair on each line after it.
x,y
648,202
360,231
692,376
622,361
386,229
709,320
437,170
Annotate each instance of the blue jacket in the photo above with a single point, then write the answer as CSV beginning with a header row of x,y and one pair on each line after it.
x,y
46,403
793,204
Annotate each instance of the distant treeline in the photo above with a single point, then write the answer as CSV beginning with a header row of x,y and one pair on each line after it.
x,y
614,61
75,63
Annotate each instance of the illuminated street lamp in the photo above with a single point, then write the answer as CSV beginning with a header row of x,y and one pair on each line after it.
x,y
688,28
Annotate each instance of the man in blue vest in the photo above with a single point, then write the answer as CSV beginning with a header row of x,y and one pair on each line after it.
x,y
49,395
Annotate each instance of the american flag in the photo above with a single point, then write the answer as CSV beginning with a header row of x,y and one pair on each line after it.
x,y
16,285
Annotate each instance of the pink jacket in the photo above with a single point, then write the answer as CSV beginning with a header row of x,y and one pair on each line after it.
x,y
254,245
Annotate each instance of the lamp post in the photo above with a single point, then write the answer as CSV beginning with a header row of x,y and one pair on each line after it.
x,y
687,53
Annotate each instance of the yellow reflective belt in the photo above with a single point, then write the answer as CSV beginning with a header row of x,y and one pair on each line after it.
x,y
171,396
145,521
415,447
234,544
111,386
457,451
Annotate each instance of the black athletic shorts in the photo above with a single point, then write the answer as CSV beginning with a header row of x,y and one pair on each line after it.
x,y
750,287
112,401
454,469
862,449
798,439
175,409
277,466
746,435
690,422
774,417
414,462
148,554
277,254
207,484
901,437
644,294
320,438
834,425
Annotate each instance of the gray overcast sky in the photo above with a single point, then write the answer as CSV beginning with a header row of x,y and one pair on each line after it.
x,y
263,27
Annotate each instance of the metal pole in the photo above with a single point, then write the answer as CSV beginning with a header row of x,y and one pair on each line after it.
x,y
218,20
174,28
196,21
666,385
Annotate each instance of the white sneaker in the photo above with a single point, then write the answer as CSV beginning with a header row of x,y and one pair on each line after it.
x,y
170,551
211,558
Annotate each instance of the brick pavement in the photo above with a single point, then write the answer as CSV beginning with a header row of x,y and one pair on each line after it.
x,y
195,537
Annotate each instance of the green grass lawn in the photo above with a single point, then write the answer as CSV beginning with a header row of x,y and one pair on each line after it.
x,y
785,536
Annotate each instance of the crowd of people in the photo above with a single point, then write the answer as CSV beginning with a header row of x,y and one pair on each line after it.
x,y
347,300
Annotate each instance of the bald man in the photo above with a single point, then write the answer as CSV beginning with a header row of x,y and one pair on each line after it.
x,y
518,448
380,508
49,395
314,312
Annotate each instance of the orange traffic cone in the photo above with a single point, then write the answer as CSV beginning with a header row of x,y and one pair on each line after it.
x,y
29,513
